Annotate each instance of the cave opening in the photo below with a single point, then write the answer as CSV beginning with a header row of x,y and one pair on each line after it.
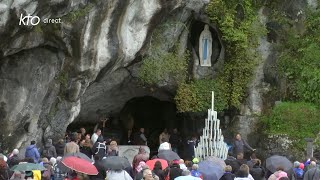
x,y
150,113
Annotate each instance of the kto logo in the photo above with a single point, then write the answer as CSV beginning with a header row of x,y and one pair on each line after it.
x,y
29,20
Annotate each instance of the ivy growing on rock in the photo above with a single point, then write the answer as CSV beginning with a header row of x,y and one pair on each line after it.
x,y
300,61
164,65
240,30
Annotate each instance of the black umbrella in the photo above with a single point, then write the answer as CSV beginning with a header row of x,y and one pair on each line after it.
x,y
168,155
63,168
274,162
115,163
79,155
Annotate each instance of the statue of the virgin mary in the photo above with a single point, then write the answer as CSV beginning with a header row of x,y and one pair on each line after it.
x,y
205,47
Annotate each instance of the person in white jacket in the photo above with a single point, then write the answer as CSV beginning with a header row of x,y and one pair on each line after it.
x,y
118,174
95,136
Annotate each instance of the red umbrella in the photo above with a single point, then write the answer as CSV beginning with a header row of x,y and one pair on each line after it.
x,y
80,165
151,163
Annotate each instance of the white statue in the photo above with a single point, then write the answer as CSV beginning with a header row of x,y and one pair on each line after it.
x,y
205,46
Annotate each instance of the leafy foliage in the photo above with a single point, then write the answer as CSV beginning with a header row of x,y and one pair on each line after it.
x,y
300,61
240,31
196,96
297,120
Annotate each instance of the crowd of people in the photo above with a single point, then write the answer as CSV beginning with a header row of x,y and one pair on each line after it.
x,y
96,147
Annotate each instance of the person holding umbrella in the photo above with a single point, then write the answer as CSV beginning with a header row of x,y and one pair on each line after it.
x,y
102,172
78,164
32,169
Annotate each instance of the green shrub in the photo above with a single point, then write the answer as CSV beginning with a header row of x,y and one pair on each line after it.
x,y
196,96
297,120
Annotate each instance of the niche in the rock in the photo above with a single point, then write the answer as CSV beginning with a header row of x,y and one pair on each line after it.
x,y
196,29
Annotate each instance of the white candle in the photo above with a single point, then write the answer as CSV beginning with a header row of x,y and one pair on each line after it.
x,y
205,123
215,131
211,128
212,101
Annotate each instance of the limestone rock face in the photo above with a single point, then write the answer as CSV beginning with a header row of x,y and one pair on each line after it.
x,y
51,74
26,81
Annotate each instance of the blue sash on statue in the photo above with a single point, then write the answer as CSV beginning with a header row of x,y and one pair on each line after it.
x,y
205,50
